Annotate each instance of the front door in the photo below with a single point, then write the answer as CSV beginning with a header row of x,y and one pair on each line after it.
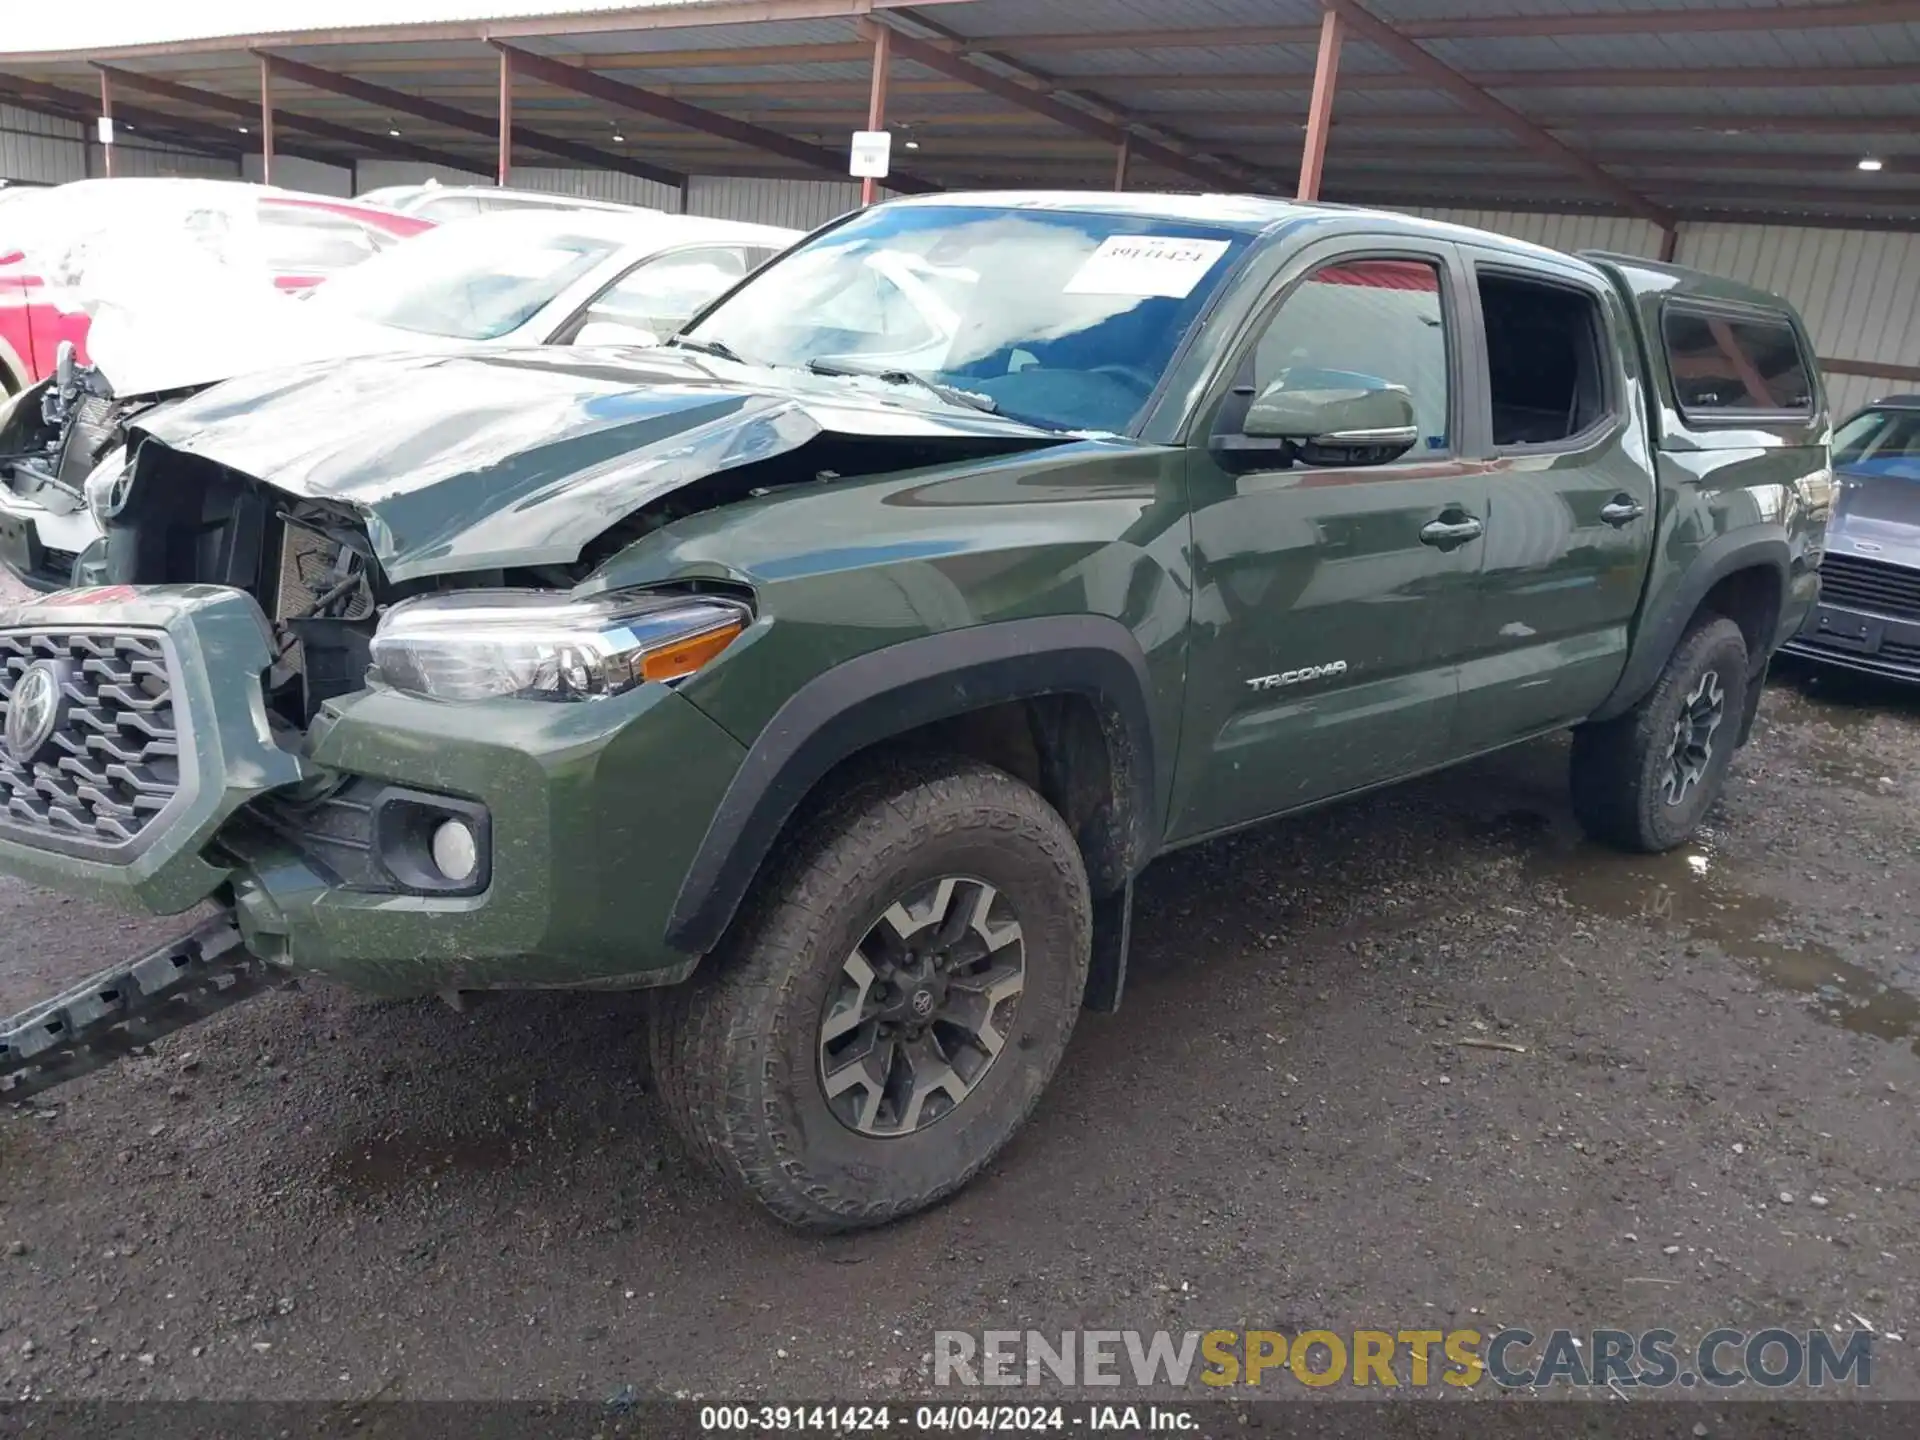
x,y
1331,603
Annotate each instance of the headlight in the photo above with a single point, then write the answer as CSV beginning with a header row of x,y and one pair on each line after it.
x,y
108,486
541,645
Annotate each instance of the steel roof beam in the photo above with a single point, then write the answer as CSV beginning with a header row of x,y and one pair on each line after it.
x,y
194,135
930,56
250,110
1443,77
1135,126
623,96
591,22
1603,22
456,119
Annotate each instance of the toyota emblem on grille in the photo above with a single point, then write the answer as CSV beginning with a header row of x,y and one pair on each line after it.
x,y
33,714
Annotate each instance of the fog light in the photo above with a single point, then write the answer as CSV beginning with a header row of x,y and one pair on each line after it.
x,y
455,851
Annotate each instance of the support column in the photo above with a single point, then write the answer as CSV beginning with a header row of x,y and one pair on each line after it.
x,y
1326,73
1122,157
1669,242
106,111
505,172
877,97
266,122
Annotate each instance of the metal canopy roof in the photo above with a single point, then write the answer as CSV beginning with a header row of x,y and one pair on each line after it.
x,y
1696,107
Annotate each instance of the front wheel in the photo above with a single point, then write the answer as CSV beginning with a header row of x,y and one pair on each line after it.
x,y
890,1003
1644,780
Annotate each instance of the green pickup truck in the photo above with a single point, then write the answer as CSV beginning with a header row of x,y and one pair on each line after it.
x,y
838,667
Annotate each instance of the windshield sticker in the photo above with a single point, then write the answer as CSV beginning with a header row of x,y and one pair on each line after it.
x,y
1146,265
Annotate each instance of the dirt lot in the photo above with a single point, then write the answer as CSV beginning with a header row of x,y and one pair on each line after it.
x,y
317,1196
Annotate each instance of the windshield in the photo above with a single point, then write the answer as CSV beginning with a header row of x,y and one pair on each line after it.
x,y
469,282
1880,442
1061,319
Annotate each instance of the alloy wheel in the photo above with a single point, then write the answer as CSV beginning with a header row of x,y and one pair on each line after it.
x,y
922,1008
1693,730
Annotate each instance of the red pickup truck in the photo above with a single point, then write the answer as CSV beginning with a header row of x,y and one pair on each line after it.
x,y
49,237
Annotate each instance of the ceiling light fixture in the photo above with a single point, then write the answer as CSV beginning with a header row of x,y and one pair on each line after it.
x,y
913,144
619,139
393,132
1869,163
243,130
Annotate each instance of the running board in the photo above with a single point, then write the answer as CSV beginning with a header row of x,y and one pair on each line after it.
x,y
113,1013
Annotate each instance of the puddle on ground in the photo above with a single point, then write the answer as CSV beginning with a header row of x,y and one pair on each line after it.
x,y
1688,891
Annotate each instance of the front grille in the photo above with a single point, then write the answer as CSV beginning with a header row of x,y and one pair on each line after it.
x,y
1869,585
112,762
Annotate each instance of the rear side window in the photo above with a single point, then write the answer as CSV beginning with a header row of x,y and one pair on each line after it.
x,y
1546,373
301,240
1727,364
443,208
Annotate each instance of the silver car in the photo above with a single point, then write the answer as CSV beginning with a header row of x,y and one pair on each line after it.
x,y
1868,618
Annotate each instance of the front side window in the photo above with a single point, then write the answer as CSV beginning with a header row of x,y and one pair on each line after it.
x,y
1364,324
1059,318
1880,442
1723,362
469,283
660,295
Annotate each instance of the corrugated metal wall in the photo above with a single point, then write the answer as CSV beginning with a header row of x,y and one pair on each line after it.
x,y
49,151
1859,291
588,184
796,204
1562,232
294,172
39,148
377,173
598,185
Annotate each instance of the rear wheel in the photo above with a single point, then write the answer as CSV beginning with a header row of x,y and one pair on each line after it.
x,y
890,1003
1644,780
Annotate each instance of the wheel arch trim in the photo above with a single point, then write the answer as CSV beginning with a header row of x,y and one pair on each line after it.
x,y
888,692
1758,547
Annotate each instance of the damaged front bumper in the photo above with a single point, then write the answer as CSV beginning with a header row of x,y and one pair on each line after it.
x,y
581,809
158,736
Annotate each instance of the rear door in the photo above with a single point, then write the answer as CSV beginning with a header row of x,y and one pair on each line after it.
x,y
1331,604
1570,499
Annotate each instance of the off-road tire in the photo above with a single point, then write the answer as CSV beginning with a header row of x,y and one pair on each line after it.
x,y
1619,765
735,1050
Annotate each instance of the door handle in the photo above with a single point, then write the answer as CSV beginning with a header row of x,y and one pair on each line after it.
x,y
1622,510
1445,534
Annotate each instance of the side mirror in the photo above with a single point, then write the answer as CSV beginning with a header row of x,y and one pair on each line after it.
x,y
1326,417
612,332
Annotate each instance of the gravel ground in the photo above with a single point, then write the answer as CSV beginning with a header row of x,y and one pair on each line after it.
x,y
316,1196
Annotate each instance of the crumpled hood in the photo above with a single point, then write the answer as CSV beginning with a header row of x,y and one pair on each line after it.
x,y
1876,512
499,458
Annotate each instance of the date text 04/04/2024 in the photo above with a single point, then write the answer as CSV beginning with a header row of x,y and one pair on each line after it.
x,y
945,1419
